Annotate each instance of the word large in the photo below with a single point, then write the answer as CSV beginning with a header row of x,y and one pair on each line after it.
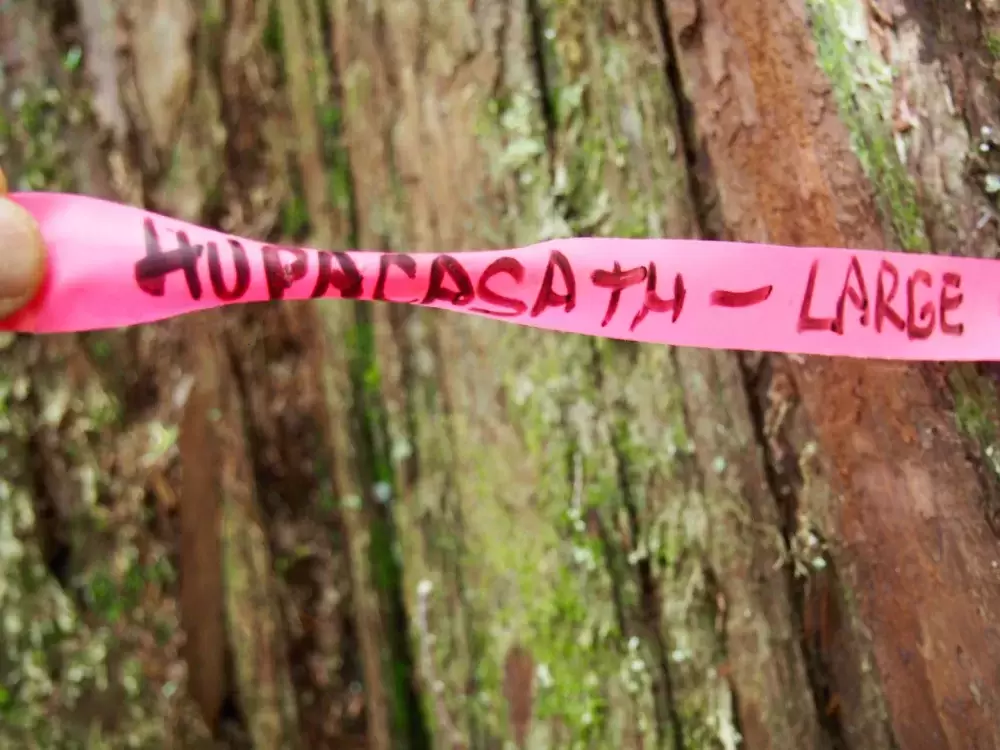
x,y
926,304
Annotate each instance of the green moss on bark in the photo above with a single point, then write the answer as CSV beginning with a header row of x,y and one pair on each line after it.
x,y
863,88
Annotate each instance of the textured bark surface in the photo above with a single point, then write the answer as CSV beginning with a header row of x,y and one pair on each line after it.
x,y
187,529
907,531
346,525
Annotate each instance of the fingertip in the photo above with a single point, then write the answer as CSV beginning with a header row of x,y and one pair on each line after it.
x,y
22,257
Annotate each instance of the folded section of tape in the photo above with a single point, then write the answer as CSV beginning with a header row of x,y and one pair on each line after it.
x,y
112,265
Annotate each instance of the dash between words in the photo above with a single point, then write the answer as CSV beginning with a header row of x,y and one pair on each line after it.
x,y
915,309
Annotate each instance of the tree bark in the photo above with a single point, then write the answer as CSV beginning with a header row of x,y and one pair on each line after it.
x,y
189,528
396,527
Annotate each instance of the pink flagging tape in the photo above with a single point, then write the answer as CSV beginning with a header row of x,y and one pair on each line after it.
x,y
112,265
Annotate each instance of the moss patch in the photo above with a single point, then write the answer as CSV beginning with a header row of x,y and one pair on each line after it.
x,y
603,419
863,87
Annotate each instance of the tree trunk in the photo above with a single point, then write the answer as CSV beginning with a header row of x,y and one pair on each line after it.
x,y
177,531
404,528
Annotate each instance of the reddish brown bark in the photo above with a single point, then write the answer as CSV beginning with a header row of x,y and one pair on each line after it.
x,y
912,537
